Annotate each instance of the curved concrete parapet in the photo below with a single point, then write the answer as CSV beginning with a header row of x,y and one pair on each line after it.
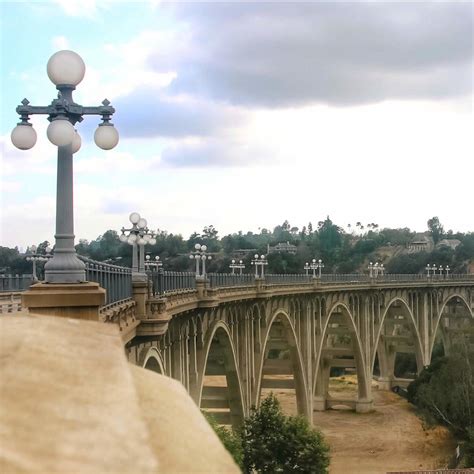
x,y
72,403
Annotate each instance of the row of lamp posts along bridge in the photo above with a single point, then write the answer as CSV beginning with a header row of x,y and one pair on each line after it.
x,y
139,235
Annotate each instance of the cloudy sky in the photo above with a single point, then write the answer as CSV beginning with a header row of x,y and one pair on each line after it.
x,y
245,114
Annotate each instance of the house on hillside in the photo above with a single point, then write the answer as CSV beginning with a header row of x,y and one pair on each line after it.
x,y
421,243
451,243
282,247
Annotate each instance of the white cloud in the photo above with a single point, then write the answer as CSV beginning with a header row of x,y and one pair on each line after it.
x,y
78,8
60,43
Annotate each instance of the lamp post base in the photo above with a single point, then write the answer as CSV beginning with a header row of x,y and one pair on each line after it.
x,y
64,268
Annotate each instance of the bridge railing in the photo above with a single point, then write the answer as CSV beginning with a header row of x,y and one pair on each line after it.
x,y
287,278
116,280
166,281
227,280
15,282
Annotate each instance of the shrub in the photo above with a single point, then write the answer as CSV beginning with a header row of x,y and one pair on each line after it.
x,y
272,442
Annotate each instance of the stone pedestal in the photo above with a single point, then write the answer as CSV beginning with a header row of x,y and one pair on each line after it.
x,y
319,404
140,295
364,405
201,287
67,300
384,383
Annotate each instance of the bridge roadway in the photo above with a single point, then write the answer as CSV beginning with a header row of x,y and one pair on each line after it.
x,y
290,335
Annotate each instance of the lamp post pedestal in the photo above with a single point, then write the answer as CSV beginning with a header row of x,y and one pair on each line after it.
x,y
77,301
140,295
201,287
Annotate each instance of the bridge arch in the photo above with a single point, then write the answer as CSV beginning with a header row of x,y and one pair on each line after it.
x,y
437,326
280,334
152,360
336,351
385,344
222,398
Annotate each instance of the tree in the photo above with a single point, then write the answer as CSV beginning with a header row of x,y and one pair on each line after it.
x,y
272,442
445,391
435,228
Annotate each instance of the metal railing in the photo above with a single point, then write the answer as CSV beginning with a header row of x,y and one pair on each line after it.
x,y
15,282
116,280
287,278
227,280
165,281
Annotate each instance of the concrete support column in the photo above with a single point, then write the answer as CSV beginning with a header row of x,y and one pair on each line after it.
x,y
364,405
75,300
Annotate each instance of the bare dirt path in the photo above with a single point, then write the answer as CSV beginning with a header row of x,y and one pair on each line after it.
x,y
390,438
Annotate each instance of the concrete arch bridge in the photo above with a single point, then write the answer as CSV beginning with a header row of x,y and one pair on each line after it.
x,y
261,335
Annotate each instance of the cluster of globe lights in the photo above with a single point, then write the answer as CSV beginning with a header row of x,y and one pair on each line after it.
x,y
38,258
139,234
66,69
200,248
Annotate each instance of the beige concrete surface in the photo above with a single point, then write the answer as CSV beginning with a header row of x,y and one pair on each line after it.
x,y
71,403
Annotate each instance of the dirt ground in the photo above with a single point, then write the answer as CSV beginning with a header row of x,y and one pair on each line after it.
x,y
390,438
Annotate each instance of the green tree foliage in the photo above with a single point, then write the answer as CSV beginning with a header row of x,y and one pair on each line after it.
x,y
435,228
444,391
341,252
272,442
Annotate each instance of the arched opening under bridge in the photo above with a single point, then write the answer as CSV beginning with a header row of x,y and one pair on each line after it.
x,y
152,361
398,357
341,378
453,327
221,393
281,367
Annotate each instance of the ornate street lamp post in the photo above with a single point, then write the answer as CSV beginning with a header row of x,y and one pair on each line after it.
x,y
239,266
150,264
200,256
314,265
375,269
66,70
34,256
138,236
428,270
259,262
319,266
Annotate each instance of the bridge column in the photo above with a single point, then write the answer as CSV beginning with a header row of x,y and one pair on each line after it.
x,y
322,386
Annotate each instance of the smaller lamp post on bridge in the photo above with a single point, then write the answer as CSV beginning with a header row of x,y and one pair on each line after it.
x,y
200,255
314,265
376,269
319,266
153,265
240,266
138,236
428,270
259,262
34,256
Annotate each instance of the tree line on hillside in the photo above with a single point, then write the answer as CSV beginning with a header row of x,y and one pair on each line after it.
x,y
342,250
